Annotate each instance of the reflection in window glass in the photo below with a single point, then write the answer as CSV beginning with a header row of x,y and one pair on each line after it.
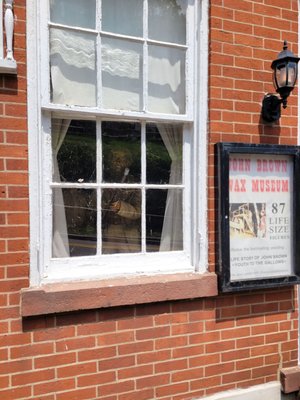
x,y
122,79
164,220
74,222
73,67
118,17
166,80
121,143
74,142
164,154
121,221
73,12
155,211
167,20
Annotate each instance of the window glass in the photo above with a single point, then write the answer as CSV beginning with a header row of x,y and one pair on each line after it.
x,y
74,222
121,207
121,221
122,77
73,67
123,16
73,12
74,145
167,20
121,144
164,220
164,154
166,83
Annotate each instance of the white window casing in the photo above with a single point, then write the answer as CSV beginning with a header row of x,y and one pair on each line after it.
x,y
193,258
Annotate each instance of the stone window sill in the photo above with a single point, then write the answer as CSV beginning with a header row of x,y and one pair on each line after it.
x,y
75,296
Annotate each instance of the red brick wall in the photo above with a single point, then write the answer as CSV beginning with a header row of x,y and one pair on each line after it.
x,y
173,350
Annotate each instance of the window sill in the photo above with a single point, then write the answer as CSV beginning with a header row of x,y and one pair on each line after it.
x,y
74,296
8,66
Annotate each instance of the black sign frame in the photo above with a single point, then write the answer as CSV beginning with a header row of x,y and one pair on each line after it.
x,y
223,152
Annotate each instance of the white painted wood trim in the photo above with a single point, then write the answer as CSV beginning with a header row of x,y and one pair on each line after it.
x,y
1,31
201,129
34,127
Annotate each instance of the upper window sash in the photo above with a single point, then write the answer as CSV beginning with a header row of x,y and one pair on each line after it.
x,y
97,109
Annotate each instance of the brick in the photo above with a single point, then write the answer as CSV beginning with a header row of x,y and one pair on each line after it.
x,y
153,333
135,348
31,350
155,356
153,381
135,323
143,395
97,354
99,378
74,344
117,362
54,360
15,366
120,387
188,375
133,372
168,343
169,366
237,376
172,389
16,393
115,338
54,386
53,334
78,394
26,378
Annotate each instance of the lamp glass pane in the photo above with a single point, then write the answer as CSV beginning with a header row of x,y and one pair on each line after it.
x,y
292,73
281,75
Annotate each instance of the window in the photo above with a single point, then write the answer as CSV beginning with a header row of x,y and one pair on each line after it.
x,y
118,139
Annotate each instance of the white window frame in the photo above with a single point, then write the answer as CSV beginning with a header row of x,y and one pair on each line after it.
x,y
43,268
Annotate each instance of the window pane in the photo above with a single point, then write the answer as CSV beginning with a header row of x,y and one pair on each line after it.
x,y
121,221
121,74
164,220
121,143
164,154
73,12
73,67
167,20
166,85
74,222
74,151
123,17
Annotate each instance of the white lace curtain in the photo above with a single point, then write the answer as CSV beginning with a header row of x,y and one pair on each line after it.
x,y
74,73
60,243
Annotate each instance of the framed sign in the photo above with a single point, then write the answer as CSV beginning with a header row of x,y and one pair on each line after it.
x,y
259,216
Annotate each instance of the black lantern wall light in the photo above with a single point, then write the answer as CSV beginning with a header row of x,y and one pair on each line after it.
x,y
285,71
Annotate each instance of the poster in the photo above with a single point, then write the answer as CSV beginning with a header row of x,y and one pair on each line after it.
x,y
260,216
